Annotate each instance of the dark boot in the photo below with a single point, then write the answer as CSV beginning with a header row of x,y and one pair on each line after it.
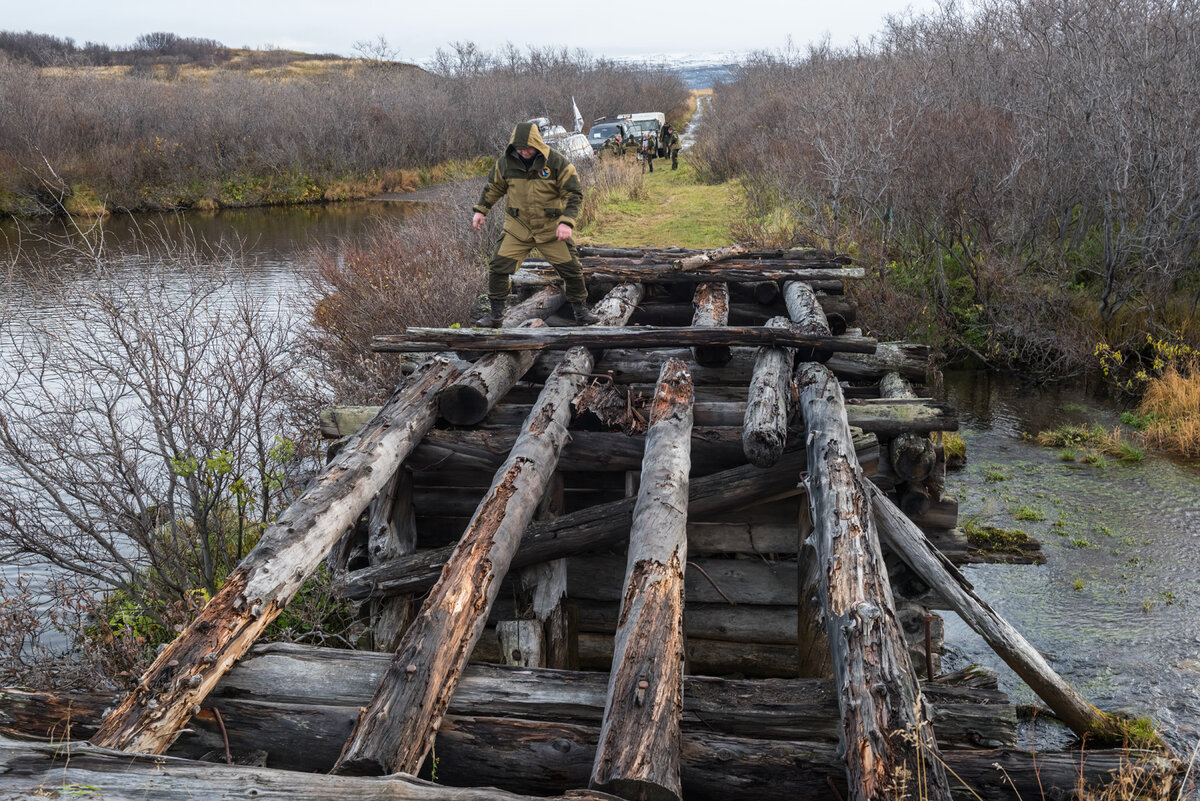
x,y
582,315
493,319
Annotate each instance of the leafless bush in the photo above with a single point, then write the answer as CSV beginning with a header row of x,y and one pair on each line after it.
x,y
1014,143
146,435
427,269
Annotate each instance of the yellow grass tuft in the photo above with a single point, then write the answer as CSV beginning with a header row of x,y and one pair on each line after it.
x,y
1173,401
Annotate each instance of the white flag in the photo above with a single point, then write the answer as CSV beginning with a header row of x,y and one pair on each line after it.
x,y
578,116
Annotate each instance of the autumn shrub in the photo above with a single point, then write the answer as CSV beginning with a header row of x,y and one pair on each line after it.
x,y
427,269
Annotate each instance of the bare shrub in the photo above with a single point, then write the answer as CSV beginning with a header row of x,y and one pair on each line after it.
x,y
427,269
147,432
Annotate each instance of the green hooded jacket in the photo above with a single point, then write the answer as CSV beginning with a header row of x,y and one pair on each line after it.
x,y
540,196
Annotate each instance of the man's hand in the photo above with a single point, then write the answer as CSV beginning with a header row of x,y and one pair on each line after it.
x,y
477,221
563,232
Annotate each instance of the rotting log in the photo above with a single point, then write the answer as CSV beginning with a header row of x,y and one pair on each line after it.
x,y
391,533
768,404
173,687
604,337
888,741
710,310
763,292
469,399
638,751
31,770
911,455
398,727
532,274
907,541
538,306
641,365
805,310
885,418
595,528
909,360
297,703
546,758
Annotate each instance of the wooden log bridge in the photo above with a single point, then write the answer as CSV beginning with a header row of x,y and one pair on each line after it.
x,y
735,471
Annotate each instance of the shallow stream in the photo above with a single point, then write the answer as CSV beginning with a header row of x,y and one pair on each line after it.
x,y
1115,607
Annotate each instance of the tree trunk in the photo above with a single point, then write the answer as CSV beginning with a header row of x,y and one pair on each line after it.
x,y
912,456
399,726
768,408
711,310
598,336
907,541
638,752
805,310
889,744
185,672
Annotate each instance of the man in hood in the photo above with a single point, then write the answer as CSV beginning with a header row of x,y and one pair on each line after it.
x,y
544,199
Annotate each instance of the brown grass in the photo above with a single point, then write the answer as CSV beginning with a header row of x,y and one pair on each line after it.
x,y
1174,401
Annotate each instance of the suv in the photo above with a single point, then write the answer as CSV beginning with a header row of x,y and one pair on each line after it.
x,y
601,132
572,145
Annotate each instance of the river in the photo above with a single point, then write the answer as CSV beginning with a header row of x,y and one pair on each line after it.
x,y
1114,607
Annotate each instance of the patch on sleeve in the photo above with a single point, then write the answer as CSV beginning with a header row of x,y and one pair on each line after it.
x,y
545,173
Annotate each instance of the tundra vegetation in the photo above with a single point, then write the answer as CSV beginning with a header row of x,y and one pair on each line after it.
x,y
157,128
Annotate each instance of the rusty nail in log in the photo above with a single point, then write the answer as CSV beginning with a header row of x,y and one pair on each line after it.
x,y
928,646
410,670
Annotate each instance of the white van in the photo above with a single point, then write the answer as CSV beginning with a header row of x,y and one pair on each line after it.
x,y
650,122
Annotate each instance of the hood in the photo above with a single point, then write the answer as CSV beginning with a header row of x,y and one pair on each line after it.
x,y
526,134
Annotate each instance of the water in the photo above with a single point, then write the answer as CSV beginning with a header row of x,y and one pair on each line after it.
x,y
1114,608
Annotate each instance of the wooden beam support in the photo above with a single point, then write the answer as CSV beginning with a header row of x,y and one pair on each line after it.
x,y
710,305
888,741
638,752
768,405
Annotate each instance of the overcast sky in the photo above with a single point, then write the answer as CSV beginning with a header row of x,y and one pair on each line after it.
x,y
415,29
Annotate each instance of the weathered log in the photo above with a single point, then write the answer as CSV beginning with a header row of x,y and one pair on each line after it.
x,y
907,541
768,405
597,577
804,309
913,499
886,735
513,753
391,533
711,309
639,365
595,528
534,274
297,703
253,595
638,751
538,306
543,589
30,770
912,456
399,725
885,418
604,337
469,399
910,361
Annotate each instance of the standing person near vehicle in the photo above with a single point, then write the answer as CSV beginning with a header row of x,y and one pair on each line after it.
x,y
616,146
544,198
648,149
670,143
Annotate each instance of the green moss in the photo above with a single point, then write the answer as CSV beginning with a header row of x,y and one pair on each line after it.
x,y
996,540
1029,513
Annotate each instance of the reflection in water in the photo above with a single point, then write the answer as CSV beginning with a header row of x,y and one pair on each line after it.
x,y
1114,607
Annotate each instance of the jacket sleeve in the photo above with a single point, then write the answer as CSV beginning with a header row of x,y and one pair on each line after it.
x,y
496,188
571,190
